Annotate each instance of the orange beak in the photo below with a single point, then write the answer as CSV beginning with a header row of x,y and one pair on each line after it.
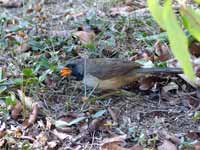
x,y
65,72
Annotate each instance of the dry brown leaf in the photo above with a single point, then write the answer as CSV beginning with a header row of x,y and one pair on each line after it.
x,y
18,133
148,83
170,86
24,47
129,2
61,135
22,34
16,110
162,50
85,37
2,143
197,146
113,114
123,10
167,145
28,101
76,15
170,136
11,3
191,100
32,117
195,49
52,144
2,133
37,7
48,124
113,143
29,138
42,138
112,146
119,138
95,125
194,135
57,33
136,147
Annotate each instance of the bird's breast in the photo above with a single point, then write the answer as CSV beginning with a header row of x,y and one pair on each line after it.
x,y
111,83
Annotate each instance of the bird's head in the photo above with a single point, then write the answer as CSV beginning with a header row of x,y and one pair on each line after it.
x,y
73,68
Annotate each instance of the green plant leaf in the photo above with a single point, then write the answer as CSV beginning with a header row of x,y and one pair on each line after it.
x,y
98,114
177,39
2,89
196,116
44,75
191,21
156,11
197,1
28,72
10,101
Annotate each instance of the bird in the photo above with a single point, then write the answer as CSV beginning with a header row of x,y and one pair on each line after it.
x,y
111,73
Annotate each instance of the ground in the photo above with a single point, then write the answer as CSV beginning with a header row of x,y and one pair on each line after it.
x,y
37,39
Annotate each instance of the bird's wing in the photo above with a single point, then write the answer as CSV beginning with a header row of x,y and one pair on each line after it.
x,y
106,68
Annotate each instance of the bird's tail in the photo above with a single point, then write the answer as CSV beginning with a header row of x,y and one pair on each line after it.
x,y
159,70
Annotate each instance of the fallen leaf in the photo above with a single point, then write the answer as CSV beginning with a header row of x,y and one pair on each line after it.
x,y
120,138
61,124
169,87
16,110
76,15
113,143
18,133
167,145
52,144
195,49
2,143
197,146
197,70
123,10
11,3
170,136
86,37
95,125
32,117
29,138
42,138
129,2
194,135
28,101
61,135
113,115
162,50
57,33
24,47
2,133
136,147
48,123
148,83
112,146
192,101
37,7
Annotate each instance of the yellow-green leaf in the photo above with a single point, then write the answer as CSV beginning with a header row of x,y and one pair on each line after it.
x,y
177,39
156,11
191,21
197,1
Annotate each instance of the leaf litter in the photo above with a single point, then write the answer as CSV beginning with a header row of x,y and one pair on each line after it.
x,y
48,112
